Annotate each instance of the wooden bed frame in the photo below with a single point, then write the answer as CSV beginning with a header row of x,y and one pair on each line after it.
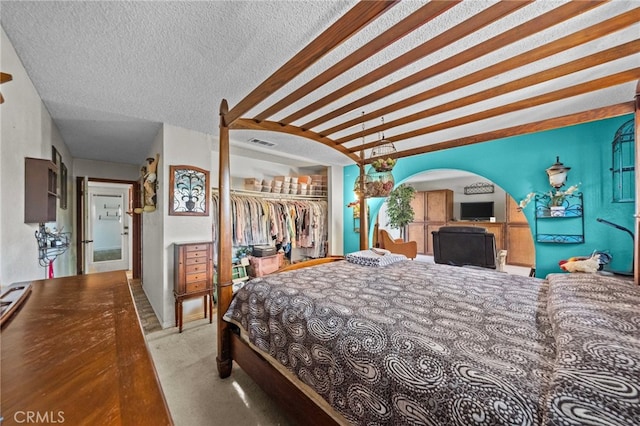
x,y
230,346
286,394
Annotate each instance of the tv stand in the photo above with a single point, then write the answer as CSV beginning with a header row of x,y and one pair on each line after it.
x,y
496,228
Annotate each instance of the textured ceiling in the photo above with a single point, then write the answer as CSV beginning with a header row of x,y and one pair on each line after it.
x,y
111,72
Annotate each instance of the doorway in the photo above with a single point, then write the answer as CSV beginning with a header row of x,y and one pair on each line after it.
x,y
108,242
110,234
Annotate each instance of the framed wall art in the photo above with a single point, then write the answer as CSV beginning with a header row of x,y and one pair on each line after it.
x,y
56,157
63,186
188,191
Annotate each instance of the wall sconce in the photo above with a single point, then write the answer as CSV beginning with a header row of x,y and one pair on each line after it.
x,y
557,174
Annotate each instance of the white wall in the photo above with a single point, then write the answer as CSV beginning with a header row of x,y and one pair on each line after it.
x,y
242,167
383,219
26,131
176,146
65,264
105,169
336,204
154,281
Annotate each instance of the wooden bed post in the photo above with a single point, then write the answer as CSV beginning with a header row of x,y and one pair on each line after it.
x,y
224,288
636,242
364,223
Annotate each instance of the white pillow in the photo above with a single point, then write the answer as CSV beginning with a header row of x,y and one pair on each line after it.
x,y
380,251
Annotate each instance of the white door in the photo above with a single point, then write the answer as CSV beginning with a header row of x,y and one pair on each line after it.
x,y
107,235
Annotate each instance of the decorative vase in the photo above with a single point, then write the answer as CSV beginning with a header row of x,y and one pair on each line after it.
x,y
556,211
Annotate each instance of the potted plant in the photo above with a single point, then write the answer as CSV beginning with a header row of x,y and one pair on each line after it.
x,y
556,200
399,207
556,203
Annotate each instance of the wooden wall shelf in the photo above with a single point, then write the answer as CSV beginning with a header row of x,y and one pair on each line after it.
x,y
4,77
40,194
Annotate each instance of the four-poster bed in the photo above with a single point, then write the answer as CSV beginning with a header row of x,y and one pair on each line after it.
x,y
306,405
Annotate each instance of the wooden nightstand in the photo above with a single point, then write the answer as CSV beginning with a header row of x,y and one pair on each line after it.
x,y
193,276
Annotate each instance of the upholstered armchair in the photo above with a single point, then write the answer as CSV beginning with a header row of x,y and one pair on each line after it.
x,y
408,248
464,245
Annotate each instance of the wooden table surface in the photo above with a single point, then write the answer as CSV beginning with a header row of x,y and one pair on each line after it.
x,y
75,354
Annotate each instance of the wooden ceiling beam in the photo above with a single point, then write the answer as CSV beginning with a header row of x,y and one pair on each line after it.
x,y
557,95
562,70
577,65
538,126
570,41
454,34
417,19
358,17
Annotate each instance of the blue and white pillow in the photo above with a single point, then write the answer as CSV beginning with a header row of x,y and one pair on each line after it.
x,y
374,258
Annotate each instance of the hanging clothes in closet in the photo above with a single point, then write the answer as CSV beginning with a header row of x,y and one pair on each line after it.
x,y
271,221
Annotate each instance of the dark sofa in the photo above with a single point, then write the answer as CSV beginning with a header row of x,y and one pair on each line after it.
x,y
464,245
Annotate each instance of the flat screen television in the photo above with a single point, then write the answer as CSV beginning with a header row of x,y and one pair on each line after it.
x,y
476,211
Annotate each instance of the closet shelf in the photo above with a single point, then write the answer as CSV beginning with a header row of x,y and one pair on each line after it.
x,y
275,195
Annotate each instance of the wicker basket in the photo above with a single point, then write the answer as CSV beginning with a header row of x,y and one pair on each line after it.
x,y
376,184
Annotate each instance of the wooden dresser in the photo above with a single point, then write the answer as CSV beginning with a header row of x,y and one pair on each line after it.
x,y
432,209
519,240
193,276
74,354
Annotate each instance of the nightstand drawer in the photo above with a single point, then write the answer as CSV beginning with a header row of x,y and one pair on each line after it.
x,y
196,247
196,286
195,267
198,276
196,260
200,254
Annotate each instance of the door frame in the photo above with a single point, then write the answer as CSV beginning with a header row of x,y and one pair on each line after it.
x,y
136,232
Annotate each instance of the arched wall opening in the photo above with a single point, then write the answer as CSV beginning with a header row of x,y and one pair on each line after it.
x,y
510,227
517,164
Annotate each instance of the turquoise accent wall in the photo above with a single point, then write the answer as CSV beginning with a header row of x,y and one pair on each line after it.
x,y
517,164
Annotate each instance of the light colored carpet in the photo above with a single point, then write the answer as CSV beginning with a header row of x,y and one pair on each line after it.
x,y
186,366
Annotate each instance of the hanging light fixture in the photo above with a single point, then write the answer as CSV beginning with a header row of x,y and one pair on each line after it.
x,y
378,181
384,153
